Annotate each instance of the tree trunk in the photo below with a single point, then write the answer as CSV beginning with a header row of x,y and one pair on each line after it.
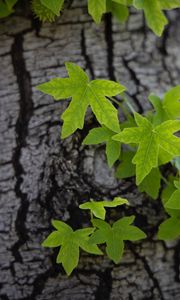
x,y
43,177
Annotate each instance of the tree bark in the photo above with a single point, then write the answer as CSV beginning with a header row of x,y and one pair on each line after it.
x,y
43,177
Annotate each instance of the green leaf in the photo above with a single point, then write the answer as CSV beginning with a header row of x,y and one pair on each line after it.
x,y
171,103
98,207
155,18
114,236
170,228
70,242
174,200
151,183
96,9
118,10
104,135
169,4
84,93
150,139
160,114
53,240
126,168
54,5
6,7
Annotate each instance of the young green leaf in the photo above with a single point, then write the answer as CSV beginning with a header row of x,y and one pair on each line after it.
x,y
104,135
151,183
155,18
98,207
70,242
115,236
150,139
84,93
54,5
96,9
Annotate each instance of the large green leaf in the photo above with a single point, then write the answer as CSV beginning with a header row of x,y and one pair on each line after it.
x,y
155,18
84,93
150,139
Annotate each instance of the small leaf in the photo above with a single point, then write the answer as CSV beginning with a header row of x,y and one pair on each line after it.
x,y
98,207
114,236
104,135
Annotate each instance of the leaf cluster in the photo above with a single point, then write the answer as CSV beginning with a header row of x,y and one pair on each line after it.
x,y
142,143
153,10
88,239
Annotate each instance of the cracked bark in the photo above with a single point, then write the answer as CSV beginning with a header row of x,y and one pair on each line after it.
x,y
42,177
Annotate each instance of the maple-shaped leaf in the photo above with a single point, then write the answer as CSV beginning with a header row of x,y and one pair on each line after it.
x,y
98,207
115,235
70,242
104,135
151,140
84,93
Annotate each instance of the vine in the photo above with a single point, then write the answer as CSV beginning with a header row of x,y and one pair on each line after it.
x,y
143,144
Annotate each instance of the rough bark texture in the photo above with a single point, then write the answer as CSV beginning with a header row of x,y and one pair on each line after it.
x,y
43,177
